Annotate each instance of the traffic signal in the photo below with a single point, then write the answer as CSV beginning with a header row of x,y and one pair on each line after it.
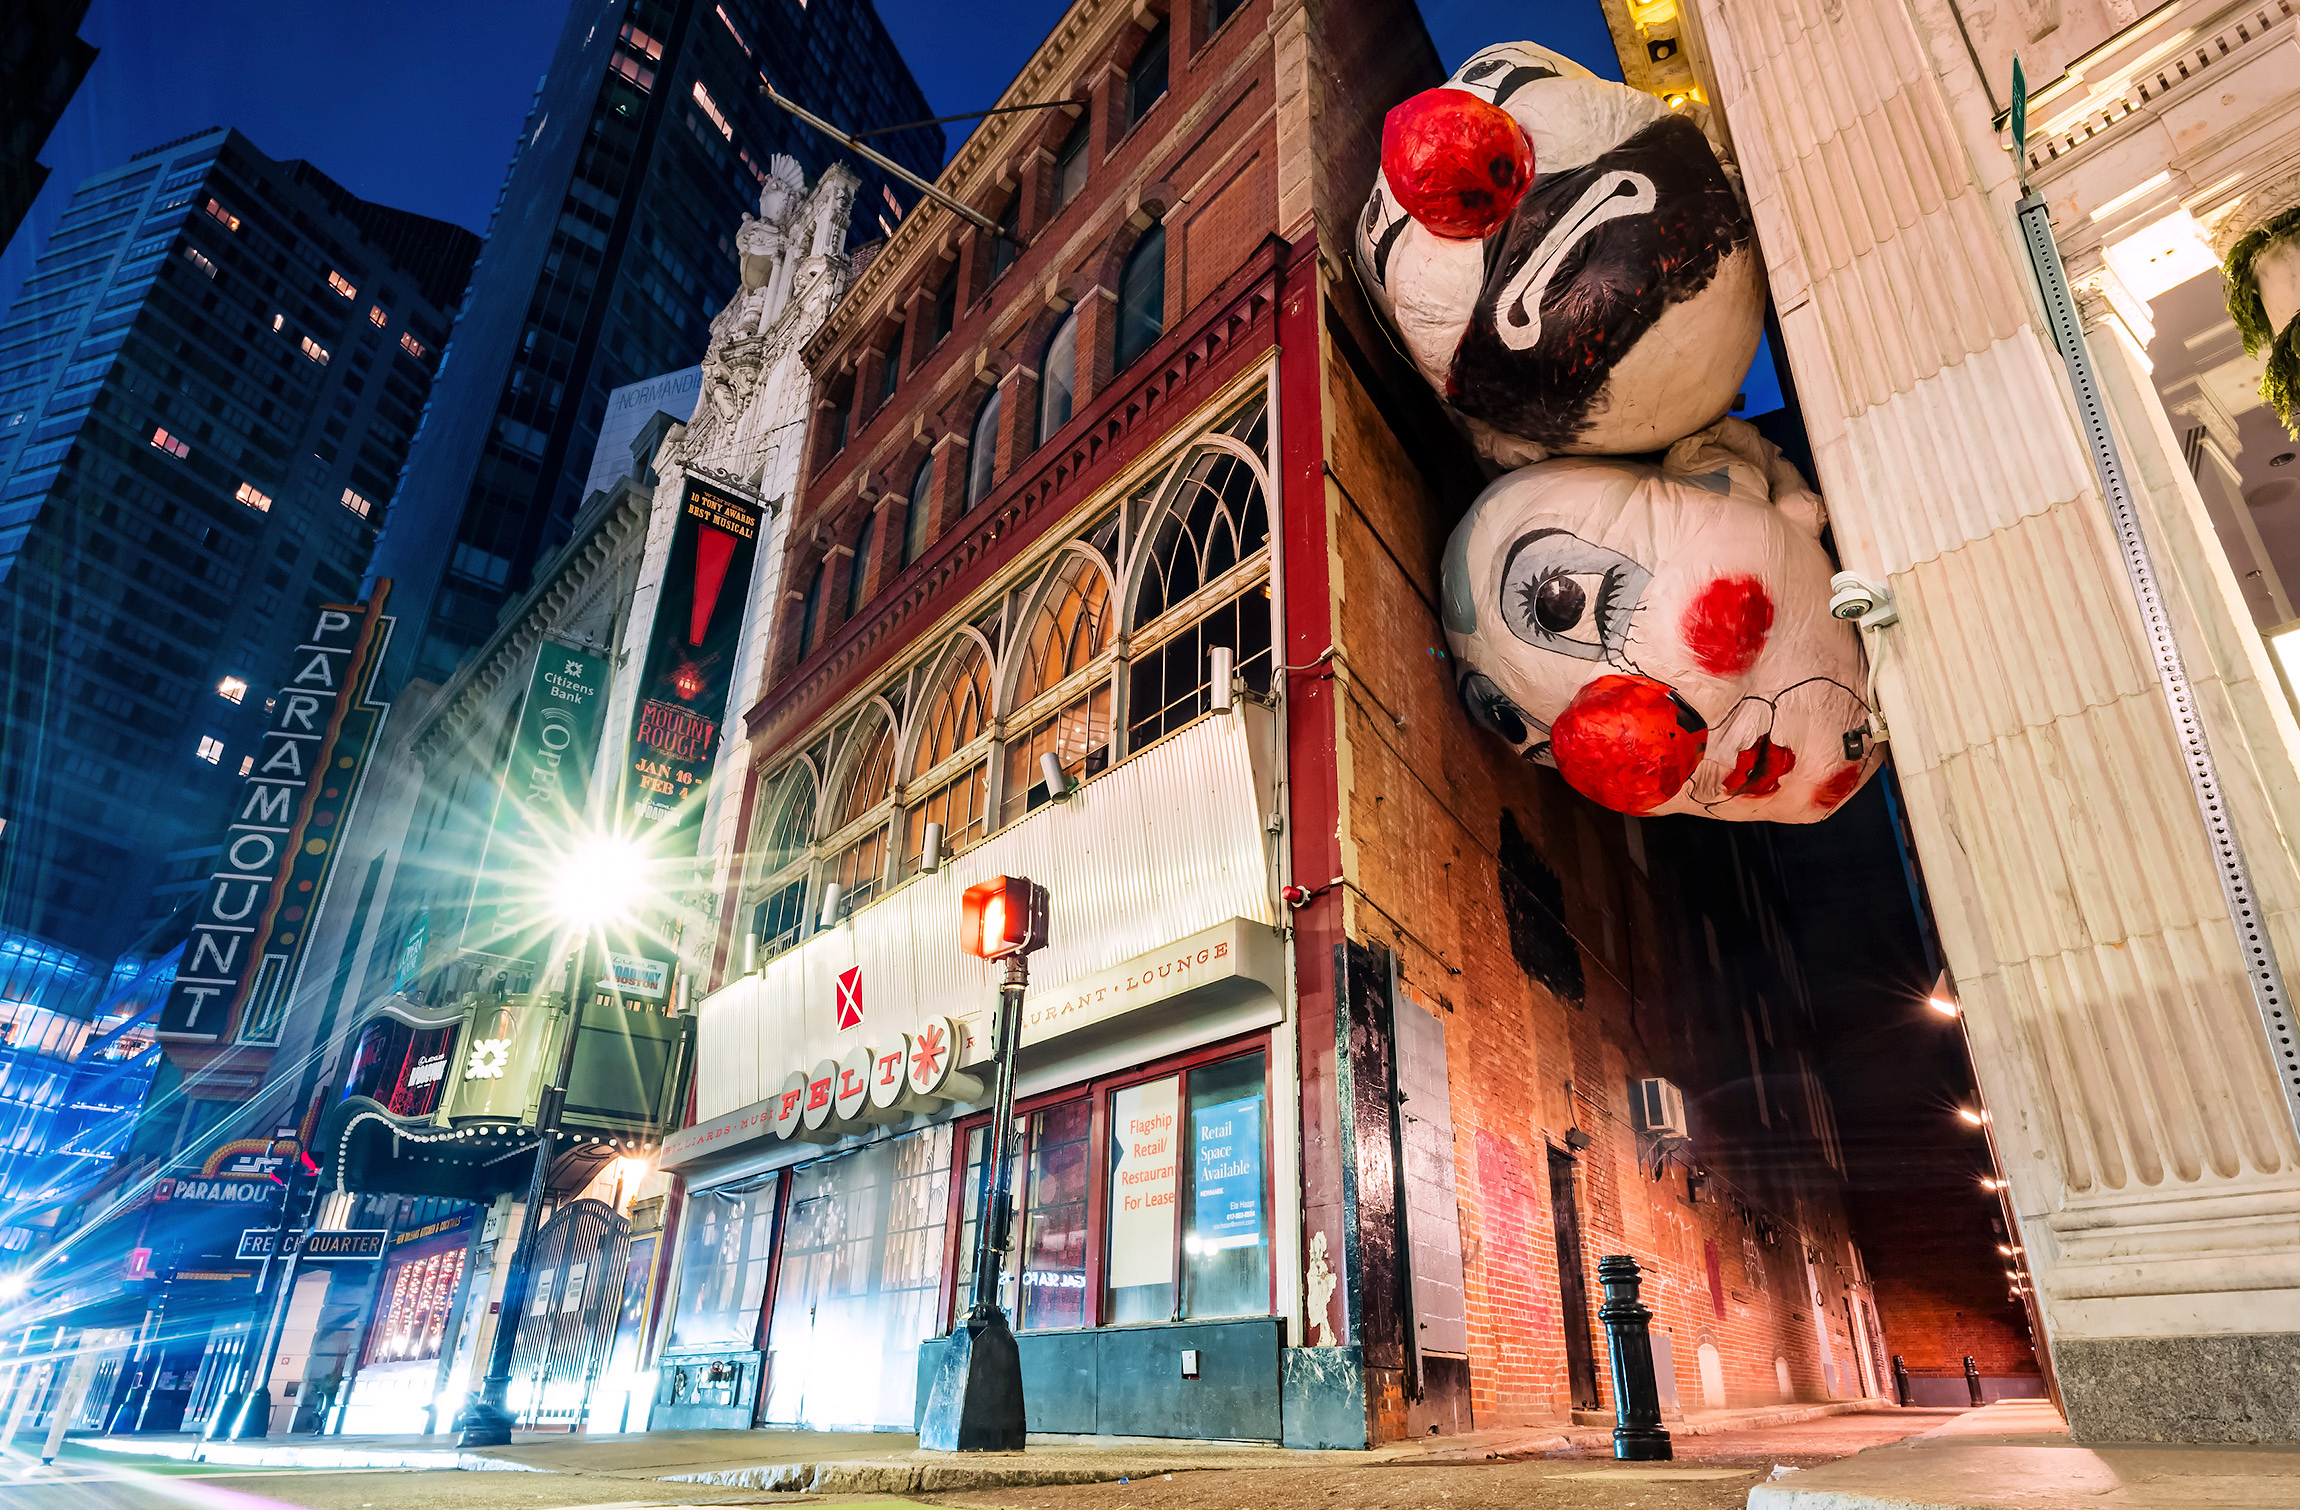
x,y
1004,916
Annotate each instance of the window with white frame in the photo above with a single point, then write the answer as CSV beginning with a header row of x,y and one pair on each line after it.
x,y
779,853
861,863
947,763
1062,689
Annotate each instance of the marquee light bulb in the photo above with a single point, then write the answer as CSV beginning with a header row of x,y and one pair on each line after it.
x,y
1971,1116
598,883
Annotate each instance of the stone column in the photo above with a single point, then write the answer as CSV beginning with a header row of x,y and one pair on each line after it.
x,y
2153,1166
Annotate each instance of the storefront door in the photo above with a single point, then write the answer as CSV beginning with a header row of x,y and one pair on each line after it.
x,y
860,1285
572,1302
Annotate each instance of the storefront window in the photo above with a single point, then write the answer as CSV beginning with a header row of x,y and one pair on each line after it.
x,y
861,1280
723,1265
1226,1246
418,1294
1139,1269
1054,1226
973,1193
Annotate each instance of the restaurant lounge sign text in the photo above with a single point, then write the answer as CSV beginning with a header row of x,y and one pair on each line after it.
x,y
1204,957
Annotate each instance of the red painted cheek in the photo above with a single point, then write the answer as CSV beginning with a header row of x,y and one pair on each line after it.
x,y
1757,771
1627,743
1726,623
1837,788
1456,164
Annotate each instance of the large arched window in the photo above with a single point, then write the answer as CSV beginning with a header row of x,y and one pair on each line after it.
x,y
982,452
1058,377
915,514
858,571
1071,632
952,721
1142,297
861,866
811,612
1213,531
778,860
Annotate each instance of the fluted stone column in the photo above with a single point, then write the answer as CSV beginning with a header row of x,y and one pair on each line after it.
x,y
2152,1162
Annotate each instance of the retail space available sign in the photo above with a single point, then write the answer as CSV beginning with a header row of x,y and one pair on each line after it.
x,y
539,807
1227,1142
690,667
248,933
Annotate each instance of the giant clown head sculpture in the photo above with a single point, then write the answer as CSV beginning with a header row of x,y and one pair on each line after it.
x,y
1563,258
1661,634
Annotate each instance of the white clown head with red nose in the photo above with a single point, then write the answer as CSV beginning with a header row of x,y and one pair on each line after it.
x,y
1563,257
1661,634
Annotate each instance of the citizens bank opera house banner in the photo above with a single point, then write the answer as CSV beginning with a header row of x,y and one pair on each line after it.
x,y
278,852
690,665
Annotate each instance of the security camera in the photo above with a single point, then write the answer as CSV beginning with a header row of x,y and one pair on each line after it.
x,y
1852,598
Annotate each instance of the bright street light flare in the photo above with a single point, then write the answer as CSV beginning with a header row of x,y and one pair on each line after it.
x,y
598,883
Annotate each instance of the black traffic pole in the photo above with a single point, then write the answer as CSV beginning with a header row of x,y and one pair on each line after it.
x,y
1900,1380
974,1402
256,1412
1973,1381
1638,1435
232,1419
486,1422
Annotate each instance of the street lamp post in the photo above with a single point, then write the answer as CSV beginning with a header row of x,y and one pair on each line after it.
x,y
486,1422
974,1403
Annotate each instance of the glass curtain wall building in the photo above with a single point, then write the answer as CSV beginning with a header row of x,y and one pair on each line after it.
x,y
207,388
610,251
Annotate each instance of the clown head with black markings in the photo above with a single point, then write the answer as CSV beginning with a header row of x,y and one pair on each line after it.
x,y
1563,257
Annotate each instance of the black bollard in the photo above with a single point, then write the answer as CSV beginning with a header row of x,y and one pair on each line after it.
x,y
1973,1379
1638,1435
1900,1380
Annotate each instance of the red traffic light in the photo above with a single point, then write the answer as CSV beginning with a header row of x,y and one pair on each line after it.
x,y
1004,916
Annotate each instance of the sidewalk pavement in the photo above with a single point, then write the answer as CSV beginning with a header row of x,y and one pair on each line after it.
x,y
892,1463
2017,1455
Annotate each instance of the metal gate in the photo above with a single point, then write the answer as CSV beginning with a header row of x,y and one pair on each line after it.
x,y
572,1302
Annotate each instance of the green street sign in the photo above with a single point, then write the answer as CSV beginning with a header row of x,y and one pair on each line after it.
x,y
2020,116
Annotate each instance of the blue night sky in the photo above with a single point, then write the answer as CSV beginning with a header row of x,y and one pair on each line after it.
x,y
415,104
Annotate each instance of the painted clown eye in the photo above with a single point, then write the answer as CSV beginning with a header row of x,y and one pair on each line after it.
x,y
1559,592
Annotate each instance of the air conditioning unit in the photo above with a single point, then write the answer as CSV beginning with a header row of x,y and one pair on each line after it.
x,y
1660,1108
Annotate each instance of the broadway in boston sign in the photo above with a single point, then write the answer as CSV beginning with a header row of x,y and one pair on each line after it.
x,y
280,848
690,667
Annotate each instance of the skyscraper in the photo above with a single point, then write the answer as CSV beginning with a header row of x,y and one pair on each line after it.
x,y
207,388
42,61
610,251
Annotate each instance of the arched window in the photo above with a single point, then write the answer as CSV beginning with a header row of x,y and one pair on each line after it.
x,y
956,717
1058,377
858,571
778,843
982,452
1142,297
914,519
811,612
1070,163
1218,520
1146,76
1071,631
861,866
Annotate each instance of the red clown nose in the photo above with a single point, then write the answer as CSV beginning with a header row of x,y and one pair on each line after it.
x,y
1627,742
1457,164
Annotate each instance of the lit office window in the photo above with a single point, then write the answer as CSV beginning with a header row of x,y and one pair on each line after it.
x,y
247,764
231,689
340,283
376,316
163,441
728,22
211,749
198,259
410,345
278,321
315,351
230,221
357,502
711,109
254,497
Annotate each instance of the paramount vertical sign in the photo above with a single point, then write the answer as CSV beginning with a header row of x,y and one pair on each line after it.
x,y
280,849
690,666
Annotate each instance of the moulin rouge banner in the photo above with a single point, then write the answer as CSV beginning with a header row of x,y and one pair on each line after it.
x,y
280,847
690,666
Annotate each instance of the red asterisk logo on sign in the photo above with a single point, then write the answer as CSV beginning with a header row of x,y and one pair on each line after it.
x,y
850,998
927,1053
